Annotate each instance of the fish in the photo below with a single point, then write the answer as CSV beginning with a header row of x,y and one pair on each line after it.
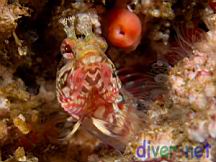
x,y
88,87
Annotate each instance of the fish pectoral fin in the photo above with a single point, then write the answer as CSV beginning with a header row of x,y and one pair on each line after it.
x,y
101,125
75,128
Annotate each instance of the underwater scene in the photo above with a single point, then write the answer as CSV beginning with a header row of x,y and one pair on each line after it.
x,y
107,81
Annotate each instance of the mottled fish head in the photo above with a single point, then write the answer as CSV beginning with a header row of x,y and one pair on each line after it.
x,y
81,41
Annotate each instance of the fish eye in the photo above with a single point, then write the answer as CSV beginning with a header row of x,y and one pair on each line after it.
x,y
66,48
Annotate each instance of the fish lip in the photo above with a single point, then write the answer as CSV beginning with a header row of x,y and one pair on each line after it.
x,y
91,59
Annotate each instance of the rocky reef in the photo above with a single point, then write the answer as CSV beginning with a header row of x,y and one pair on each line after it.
x,y
165,60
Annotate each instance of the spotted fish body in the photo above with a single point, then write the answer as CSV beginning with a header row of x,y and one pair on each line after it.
x,y
87,84
90,76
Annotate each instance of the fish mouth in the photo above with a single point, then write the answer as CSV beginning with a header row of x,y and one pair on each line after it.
x,y
91,59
